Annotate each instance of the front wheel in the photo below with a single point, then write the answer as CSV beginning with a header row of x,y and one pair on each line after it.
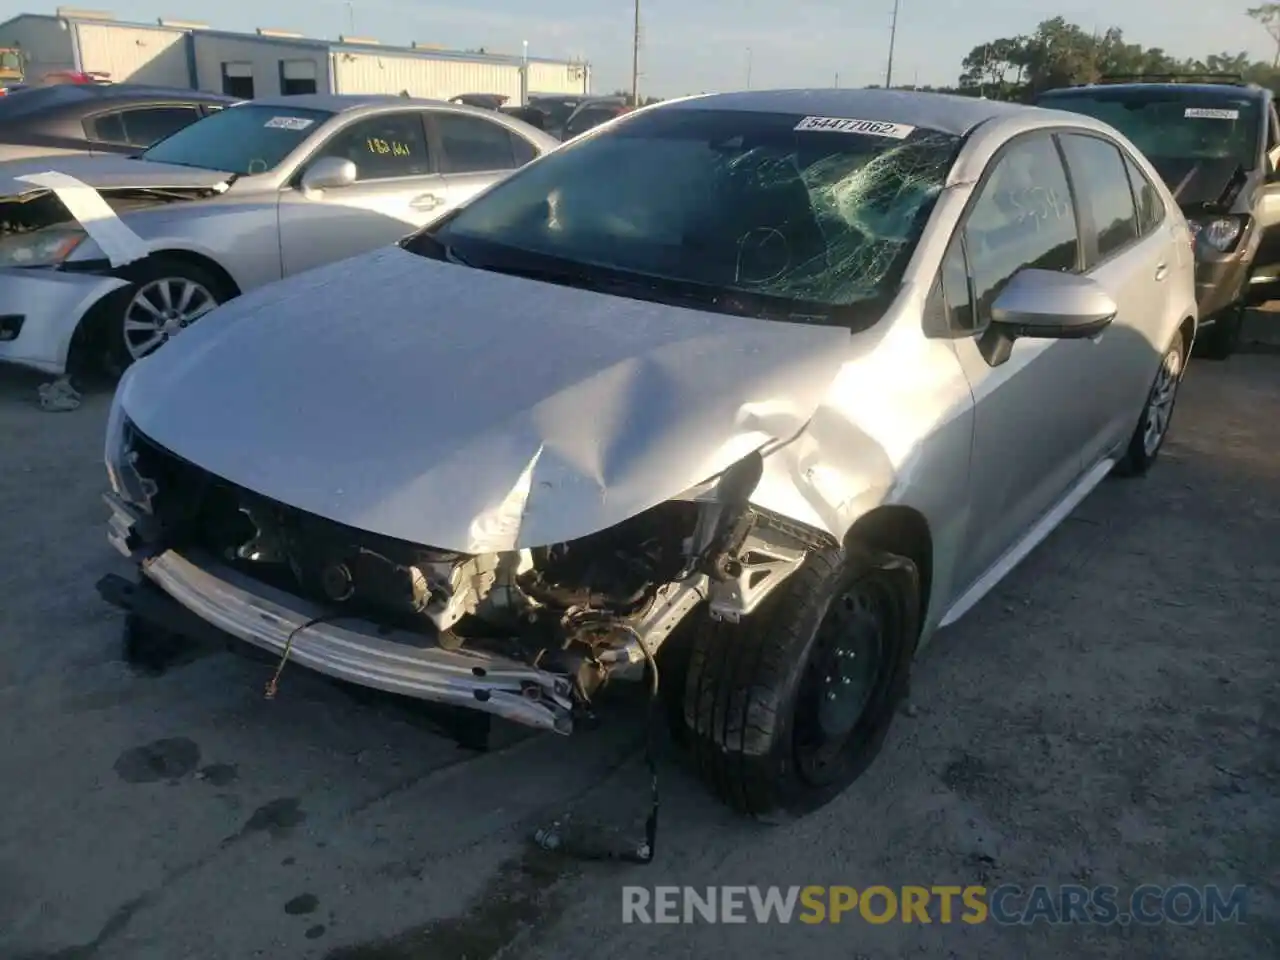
x,y
787,708
168,295
1157,414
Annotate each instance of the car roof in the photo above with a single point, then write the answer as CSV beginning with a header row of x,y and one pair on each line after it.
x,y
1224,90
71,97
934,111
342,102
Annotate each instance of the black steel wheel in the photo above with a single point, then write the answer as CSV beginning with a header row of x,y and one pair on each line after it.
x,y
790,706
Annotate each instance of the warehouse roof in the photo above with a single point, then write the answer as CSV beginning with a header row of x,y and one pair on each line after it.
x,y
277,39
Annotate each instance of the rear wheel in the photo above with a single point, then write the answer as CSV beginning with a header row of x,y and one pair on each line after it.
x,y
1157,414
787,708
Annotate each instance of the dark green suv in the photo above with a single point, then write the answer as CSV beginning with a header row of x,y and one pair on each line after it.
x,y
1215,141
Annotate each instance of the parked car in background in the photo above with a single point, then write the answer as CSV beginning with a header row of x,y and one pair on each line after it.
x,y
556,109
264,189
1216,142
804,373
485,101
122,118
591,113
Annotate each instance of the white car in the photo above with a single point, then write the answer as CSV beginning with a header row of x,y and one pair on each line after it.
x,y
106,258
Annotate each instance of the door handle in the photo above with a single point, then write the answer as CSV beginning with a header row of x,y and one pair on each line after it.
x,y
1162,271
426,201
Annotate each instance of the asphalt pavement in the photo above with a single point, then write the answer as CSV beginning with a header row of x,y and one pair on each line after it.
x,y
1109,716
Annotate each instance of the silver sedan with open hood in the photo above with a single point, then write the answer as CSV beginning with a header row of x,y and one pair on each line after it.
x,y
107,258
756,390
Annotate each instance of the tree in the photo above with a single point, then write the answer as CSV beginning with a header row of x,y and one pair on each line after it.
x,y
1060,54
1268,14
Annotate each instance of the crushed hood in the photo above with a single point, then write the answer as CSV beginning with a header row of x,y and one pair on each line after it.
x,y
468,410
1197,183
105,173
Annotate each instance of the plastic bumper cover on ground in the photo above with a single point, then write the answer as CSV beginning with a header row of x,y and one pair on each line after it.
x,y
44,308
347,648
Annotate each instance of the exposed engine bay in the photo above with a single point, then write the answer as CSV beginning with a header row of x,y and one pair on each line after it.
x,y
589,610
43,208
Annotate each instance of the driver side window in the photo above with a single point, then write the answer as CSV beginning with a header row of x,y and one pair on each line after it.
x,y
383,147
1023,217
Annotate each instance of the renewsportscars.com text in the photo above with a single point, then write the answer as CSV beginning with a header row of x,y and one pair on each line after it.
x,y
1008,904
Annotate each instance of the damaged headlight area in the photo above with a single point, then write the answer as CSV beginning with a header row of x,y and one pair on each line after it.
x,y
573,614
1220,233
46,247
37,231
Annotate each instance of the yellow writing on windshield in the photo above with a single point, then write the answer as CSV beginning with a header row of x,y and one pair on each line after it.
x,y
382,148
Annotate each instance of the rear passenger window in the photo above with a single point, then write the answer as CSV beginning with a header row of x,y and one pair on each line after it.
x,y
524,150
150,125
1022,218
473,145
1102,185
105,128
1150,206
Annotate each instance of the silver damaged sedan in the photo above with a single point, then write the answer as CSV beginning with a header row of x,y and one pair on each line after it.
x,y
104,259
755,391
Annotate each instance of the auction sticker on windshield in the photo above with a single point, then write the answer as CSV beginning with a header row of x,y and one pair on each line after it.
x,y
288,123
875,128
1211,113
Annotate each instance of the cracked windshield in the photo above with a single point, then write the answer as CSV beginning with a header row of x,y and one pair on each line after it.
x,y
731,200
639,480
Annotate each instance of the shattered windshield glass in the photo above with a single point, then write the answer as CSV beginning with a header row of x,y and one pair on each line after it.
x,y
1184,125
732,200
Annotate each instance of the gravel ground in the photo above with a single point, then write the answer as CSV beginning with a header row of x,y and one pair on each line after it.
x,y
1110,715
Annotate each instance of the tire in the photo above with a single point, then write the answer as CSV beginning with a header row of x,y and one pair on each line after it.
x,y
1222,339
755,691
150,279
1149,435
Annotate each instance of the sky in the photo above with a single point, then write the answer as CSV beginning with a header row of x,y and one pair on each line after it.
x,y
690,46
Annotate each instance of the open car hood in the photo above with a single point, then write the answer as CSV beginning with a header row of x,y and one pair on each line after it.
x,y
105,173
472,411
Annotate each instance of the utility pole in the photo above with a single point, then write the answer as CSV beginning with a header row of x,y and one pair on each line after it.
x,y
893,36
351,17
748,68
837,83
635,58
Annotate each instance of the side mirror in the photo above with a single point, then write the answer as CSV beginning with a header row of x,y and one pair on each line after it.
x,y
1045,305
329,173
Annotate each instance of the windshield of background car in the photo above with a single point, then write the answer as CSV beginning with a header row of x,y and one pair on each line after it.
x,y
557,111
244,139
761,203
1189,125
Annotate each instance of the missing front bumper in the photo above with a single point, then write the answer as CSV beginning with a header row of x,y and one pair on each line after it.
x,y
345,648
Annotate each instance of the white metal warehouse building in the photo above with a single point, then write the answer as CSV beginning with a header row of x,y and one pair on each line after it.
x,y
270,62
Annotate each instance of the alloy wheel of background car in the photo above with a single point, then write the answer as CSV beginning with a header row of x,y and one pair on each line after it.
x,y
168,295
162,309
1157,414
789,706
